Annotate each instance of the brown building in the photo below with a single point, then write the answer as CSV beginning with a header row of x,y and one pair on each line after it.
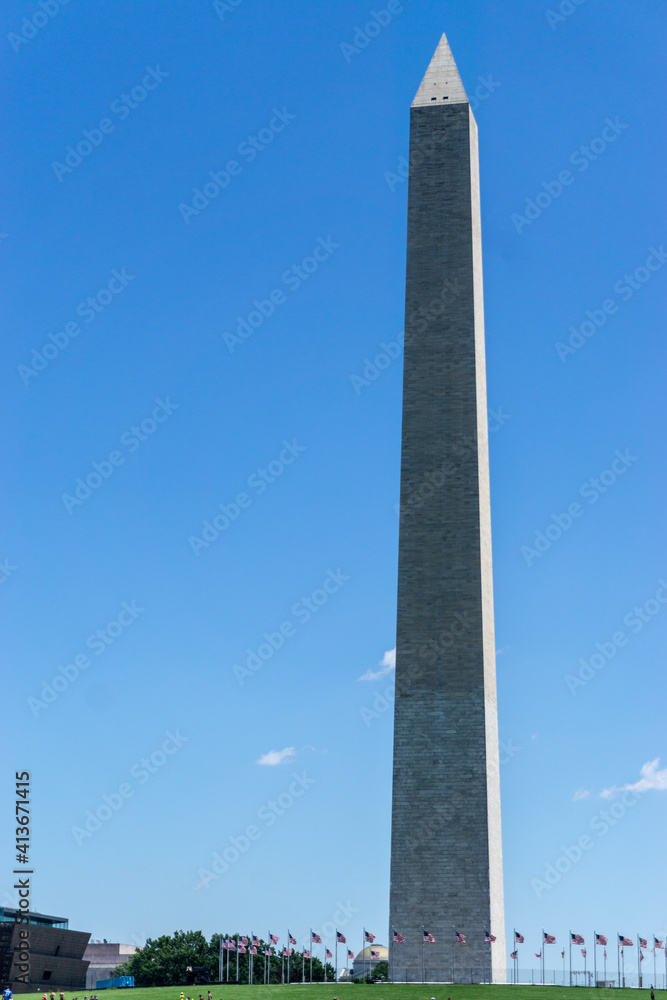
x,y
55,953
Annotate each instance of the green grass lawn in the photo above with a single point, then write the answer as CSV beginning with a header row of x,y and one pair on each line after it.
x,y
379,991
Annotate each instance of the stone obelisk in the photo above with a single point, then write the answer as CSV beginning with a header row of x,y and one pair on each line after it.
x,y
446,857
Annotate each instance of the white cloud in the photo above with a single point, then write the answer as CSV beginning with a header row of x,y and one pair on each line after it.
x,y
651,778
387,664
581,793
274,757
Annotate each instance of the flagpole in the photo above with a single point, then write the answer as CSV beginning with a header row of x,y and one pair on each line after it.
x,y
639,963
237,958
391,954
220,961
303,967
623,961
595,958
336,958
605,963
423,979
228,961
325,961
585,976
570,955
618,957
311,955
288,951
363,952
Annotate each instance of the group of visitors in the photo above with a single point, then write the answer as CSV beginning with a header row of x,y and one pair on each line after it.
x,y
52,996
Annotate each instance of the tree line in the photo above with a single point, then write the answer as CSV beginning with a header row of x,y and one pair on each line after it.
x,y
163,962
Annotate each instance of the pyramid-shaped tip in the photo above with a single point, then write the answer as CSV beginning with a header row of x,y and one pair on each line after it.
x,y
442,83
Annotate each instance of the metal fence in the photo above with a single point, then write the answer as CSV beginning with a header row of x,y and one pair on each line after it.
x,y
534,977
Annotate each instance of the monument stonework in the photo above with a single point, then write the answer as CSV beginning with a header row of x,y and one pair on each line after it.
x,y
446,856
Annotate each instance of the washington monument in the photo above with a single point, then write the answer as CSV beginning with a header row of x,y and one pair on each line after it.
x,y
446,856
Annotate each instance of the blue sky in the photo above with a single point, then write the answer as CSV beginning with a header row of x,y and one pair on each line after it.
x,y
276,435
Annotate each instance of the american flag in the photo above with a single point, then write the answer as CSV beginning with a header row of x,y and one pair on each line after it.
x,y
549,938
489,938
306,954
288,952
657,942
538,954
429,937
374,954
562,954
231,944
577,939
641,956
624,942
315,938
653,951
369,937
518,938
460,938
290,939
244,941
328,953
255,940
605,954
350,954
514,955
583,952
340,938
241,949
253,950
600,939
398,938
268,952
643,943
273,938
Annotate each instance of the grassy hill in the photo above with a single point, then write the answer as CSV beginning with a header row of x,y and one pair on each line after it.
x,y
379,991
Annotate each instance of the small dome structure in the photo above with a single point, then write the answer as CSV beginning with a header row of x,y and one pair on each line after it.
x,y
365,962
